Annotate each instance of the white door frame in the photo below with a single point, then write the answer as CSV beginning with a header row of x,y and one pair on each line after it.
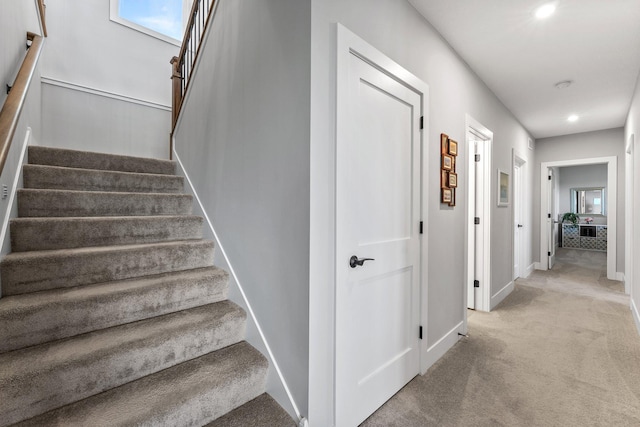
x,y
519,203
629,215
474,131
611,200
349,44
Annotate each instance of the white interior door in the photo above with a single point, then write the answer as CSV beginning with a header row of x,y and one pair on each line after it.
x,y
479,230
377,217
550,220
517,222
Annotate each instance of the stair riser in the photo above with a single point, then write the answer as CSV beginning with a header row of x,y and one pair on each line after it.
x,y
51,382
91,308
47,234
43,177
54,270
86,160
190,394
52,203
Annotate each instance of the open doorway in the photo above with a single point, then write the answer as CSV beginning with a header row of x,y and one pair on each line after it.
x,y
595,231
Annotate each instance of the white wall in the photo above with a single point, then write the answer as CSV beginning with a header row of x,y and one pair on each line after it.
x,y
244,141
395,28
580,177
101,58
16,19
632,132
586,145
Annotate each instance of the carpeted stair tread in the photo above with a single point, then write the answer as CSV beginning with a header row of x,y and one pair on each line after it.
x,y
34,234
263,411
191,393
65,203
48,376
62,178
89,160
33,271
39,317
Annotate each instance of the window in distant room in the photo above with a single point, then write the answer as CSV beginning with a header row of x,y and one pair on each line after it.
x,y
162,19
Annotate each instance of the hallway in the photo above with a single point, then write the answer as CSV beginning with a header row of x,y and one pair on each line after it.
x,y
561,350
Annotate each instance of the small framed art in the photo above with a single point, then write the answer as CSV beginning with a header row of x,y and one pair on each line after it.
x,y
447,162
503,188
452,180
447,195
453,147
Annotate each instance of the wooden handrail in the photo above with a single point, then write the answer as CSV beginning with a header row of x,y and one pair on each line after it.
x,y
43,21
184,62
12,107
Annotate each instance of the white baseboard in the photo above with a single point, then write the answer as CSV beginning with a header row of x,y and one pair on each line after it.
x,y
636,315
539,266
501,294
620,276
437,350
529,270
103,93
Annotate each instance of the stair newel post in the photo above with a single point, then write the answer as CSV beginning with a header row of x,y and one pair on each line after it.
x,y
176,78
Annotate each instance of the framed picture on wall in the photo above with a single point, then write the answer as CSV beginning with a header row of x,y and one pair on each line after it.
x,y
503,188
453,147
447,162
453,179
447,195
444,178
444,143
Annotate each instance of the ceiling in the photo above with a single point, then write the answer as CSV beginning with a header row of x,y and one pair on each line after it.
x,y
594,43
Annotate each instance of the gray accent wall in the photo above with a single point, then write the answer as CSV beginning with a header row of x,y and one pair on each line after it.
x,y
244,142
604,143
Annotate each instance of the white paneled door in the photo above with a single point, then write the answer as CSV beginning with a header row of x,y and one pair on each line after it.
x,y
550,220
378,188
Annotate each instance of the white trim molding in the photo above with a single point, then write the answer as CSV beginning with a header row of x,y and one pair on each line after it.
x,y
107,94
444,344
636,315
612,208
501,294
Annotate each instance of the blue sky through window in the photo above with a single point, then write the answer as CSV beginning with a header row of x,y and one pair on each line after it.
x,y
163,16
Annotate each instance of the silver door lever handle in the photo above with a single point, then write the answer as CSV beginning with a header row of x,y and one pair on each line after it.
x,y
354,261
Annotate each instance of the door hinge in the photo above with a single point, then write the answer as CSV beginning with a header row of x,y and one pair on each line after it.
x,y
8,89
549,177
421,122
548,215
421,225
420,333
476,283
477,157
548,253
476,220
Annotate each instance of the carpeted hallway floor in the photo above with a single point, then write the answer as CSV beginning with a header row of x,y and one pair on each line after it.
x,y
561,350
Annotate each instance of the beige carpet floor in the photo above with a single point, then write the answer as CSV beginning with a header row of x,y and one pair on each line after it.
x,y
561,350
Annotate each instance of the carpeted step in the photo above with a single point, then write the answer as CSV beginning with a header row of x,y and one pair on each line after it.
x,y
40,317
88,160
33,271
263,411
61,178
48,376
189,394
35,234
65,203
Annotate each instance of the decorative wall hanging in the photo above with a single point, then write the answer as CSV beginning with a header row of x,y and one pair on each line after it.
x,y
448,175
503,188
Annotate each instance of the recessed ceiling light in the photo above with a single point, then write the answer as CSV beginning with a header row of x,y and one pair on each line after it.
x,y
545,11
563,84
572,118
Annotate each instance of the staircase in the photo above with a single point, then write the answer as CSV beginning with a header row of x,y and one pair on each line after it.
x,y
113,313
